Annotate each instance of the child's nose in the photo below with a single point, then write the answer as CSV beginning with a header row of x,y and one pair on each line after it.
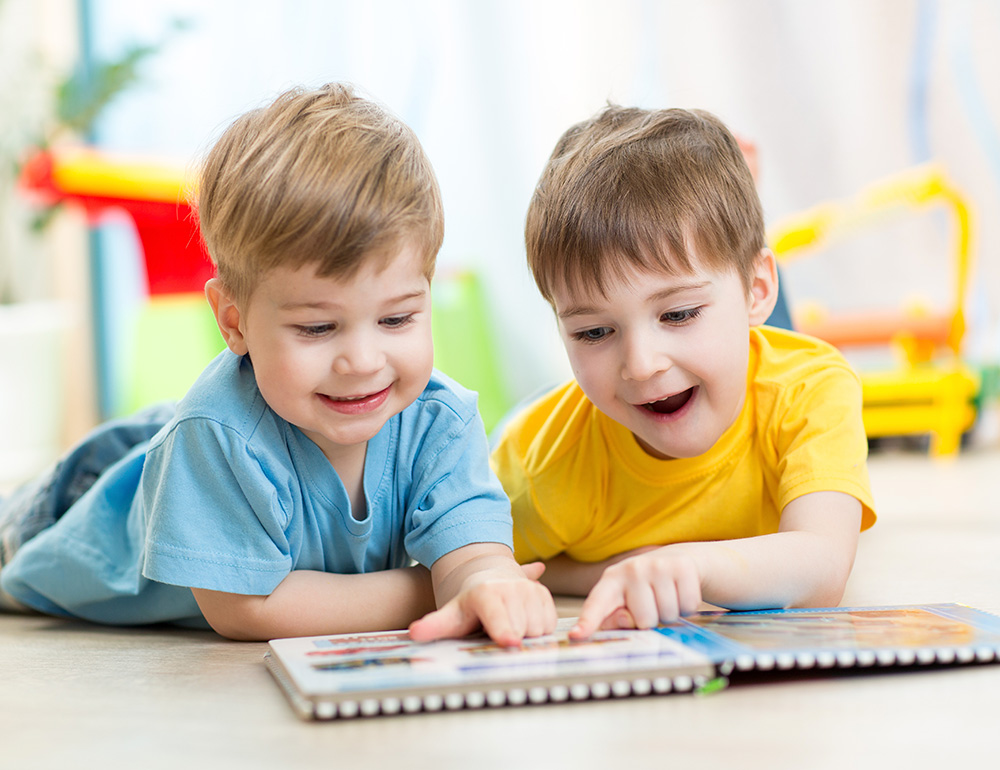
x,y
642,360
358,355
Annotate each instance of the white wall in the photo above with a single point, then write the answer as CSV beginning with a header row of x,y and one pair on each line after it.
x,y
837,93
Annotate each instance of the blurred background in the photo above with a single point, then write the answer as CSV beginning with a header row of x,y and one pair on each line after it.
x,y
876,125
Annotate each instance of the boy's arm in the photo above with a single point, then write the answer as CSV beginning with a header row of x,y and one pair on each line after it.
x,y
309,603
482,585
805,564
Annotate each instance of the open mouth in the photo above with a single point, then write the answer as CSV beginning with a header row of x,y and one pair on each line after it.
x,y
672,404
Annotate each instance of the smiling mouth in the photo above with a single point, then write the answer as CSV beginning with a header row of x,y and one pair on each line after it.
x,y
348,399
671,404
357,404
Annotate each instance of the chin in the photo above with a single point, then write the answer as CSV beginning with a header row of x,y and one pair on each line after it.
x,y
675,451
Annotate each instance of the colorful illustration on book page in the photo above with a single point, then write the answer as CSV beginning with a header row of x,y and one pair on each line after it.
x,y
367,661
848,630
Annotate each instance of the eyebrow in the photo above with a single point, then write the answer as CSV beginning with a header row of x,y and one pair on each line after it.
x,y
578,310
321,305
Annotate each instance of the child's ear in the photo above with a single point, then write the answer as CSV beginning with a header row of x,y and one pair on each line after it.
x,y
227,316
763,287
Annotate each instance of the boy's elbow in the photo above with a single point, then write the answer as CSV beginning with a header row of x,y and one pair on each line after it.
x,y
236,632
829,591
232,616
832,566
826,596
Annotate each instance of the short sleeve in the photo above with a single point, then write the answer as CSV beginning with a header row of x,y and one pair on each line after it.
x,y
820,440
455,499
553,463
534,537
214,519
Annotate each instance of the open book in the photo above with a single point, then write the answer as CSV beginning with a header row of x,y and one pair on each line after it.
x,y
327,677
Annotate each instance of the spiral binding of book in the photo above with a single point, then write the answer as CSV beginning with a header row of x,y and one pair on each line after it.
x,y
517,696
865,659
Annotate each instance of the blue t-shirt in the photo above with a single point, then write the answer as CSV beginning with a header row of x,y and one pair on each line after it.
x,y
230,497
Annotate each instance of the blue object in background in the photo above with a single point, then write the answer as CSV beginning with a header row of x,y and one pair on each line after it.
x,y
780,316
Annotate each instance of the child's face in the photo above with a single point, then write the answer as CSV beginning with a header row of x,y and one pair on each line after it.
x,y
666,355
338,358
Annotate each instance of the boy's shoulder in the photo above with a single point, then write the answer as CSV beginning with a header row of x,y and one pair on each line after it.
x,y
444,389
442,399
556,422
226,394
785,356
792,372
438,434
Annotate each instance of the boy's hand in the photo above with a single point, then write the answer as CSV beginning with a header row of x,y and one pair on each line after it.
x,y
641,592
493,592
805,563
533,570
507,610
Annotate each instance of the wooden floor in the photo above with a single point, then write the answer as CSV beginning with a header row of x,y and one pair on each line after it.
x,y
76,695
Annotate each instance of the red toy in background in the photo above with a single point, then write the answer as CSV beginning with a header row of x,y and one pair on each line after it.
x,y
153,194
175,334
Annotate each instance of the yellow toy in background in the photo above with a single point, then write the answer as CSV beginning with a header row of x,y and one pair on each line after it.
x,y
931,390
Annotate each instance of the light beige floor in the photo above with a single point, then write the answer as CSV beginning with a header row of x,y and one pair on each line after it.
x,y
75,695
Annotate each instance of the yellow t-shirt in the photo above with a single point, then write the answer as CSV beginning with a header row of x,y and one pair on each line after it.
x,y
581,484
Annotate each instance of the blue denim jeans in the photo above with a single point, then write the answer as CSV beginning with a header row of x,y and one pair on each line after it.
x,y
38,504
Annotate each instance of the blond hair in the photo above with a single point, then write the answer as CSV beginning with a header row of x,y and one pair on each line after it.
x,y
320,176
647,189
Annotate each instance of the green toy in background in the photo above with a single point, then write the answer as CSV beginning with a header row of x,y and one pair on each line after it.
x,y
176,336
464,346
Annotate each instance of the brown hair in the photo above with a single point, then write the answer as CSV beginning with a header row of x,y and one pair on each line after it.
x,y
318,176
642,188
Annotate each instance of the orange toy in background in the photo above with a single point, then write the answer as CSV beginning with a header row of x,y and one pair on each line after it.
x,y
932,390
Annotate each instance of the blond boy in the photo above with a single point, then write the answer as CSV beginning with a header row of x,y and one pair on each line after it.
x,y
697,456
320,453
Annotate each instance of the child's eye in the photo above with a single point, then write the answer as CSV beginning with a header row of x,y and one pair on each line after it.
x,y
592,335
398,321
317,330
681,317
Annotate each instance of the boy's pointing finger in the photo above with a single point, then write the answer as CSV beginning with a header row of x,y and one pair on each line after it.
x,y
602,602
